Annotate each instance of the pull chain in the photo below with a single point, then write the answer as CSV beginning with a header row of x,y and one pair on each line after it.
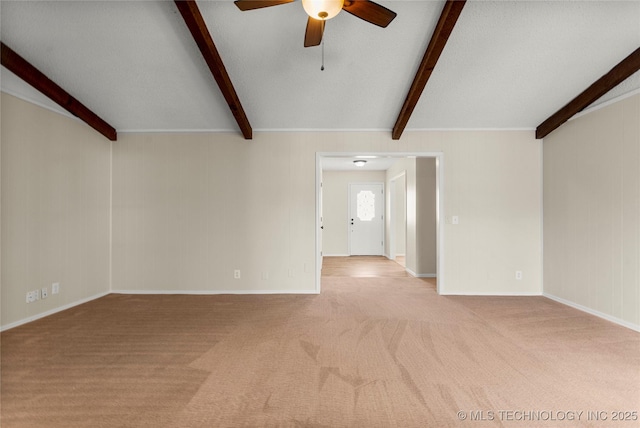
x,y
322,67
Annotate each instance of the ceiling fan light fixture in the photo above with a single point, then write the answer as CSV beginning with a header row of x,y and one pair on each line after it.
x,y
322,9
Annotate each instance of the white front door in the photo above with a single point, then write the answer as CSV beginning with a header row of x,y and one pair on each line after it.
x,y
366,220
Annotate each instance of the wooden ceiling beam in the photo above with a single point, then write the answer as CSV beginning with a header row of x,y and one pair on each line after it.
x,y
27,72
444,27
615,76
195,22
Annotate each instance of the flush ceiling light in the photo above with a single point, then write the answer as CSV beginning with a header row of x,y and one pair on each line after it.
x,y
359,162
322,9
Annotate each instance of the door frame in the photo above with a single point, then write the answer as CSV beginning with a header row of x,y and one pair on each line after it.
x,y
440,204
393,195
351,215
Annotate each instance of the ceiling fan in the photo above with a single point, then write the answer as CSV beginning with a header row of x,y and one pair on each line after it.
x,y
321,10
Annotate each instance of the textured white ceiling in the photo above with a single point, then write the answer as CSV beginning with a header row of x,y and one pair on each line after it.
x,y
508,64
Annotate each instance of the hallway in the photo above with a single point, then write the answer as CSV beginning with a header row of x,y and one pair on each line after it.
x,y
366,267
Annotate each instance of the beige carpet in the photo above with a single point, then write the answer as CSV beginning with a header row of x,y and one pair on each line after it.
x,y
367,352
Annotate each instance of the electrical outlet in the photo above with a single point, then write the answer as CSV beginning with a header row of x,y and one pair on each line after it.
x,y
44,292
455,219
236,274
292,273
36,294
55,288
32,296
518,275
265,275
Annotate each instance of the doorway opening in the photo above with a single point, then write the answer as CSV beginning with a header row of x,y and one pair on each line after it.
x,y
412,207
398,218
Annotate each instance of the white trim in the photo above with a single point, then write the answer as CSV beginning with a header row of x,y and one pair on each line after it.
x,y
63,112
336,255
232,130
397,176
440,223
468,129
291,130
605,104
110,215
60,110
213,292
392,220
389,129
322,130
497,294
147,292
52,311
318,223
541,283
439,156
176,131
420,275
590,311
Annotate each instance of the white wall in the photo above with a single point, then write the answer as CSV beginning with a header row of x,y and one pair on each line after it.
x,y
335,237
419,195
426,227
55,210
406,166
396,221
190,208
592,212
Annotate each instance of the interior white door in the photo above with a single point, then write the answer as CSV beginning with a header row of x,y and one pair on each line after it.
x,y
366,219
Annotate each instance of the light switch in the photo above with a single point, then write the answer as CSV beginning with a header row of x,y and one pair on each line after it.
x,y
455,219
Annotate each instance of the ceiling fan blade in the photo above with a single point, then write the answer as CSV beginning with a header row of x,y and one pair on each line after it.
x,y
369,11
313,35
257,4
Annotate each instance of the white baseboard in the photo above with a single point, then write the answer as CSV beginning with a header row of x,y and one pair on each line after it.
x,y
495,294
421,275
193,292
335,255
590,311
214,292
389,257
52,311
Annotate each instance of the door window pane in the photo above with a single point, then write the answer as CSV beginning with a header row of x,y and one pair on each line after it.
x,y
366,205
